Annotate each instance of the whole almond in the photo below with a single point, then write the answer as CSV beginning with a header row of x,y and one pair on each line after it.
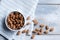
x,y
18,33
51,29
35,21
33,31
37,29
46,32
28,23
28,18
41,25
46,27
24,31
32,37
39,33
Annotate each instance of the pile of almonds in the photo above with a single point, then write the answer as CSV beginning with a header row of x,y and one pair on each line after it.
x,y
40,30
15,20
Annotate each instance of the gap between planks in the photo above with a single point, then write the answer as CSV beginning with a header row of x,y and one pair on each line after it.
x,y
48,4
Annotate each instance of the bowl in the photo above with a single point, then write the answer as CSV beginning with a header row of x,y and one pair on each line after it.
x,y
14,21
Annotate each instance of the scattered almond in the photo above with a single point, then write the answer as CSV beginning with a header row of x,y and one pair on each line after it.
x,y
18,33
28,23
34,31
28,18
27,31
51,29
41,25
35,21
39,33
32,37
37,29
46,27
24,31
41,30
46,32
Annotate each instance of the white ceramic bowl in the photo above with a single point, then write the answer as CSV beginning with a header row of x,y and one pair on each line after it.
x,y
7,23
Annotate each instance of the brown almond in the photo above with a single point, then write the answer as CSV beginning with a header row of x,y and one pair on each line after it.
x,y
27,31
28,18
41,30
24,31
14,26
13,17
34,31
11,14
28,23
41,25
14,23
51,29
39,33
18,33
35,21
46,32
46,27
37,29
16,16
32,37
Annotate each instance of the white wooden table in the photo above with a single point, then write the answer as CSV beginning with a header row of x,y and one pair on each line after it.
x,y
49,9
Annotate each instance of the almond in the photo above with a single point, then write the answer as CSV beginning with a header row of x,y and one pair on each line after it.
x,y
18,33
35,21
51,29
28,18
32,37
41,25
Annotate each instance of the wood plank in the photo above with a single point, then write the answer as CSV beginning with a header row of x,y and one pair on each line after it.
x,y
46,37
50,1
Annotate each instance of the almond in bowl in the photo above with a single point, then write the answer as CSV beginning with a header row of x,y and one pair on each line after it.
x,y
15,21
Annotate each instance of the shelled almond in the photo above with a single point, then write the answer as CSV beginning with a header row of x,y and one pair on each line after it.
x,y
41,25
28,23
46,27
27,32
33,31
24,31
46,32
28,18
37,29
18,33
32,37
35,21
51,29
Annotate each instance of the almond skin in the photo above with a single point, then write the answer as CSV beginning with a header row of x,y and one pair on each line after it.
x,y
46,27
41,25
35,21
46,32
18,33
51,29
32,37
28,18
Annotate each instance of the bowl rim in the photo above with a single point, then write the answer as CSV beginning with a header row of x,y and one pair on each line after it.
x,y
7,24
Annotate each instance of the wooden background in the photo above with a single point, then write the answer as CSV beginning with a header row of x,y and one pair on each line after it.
x,y
45,7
